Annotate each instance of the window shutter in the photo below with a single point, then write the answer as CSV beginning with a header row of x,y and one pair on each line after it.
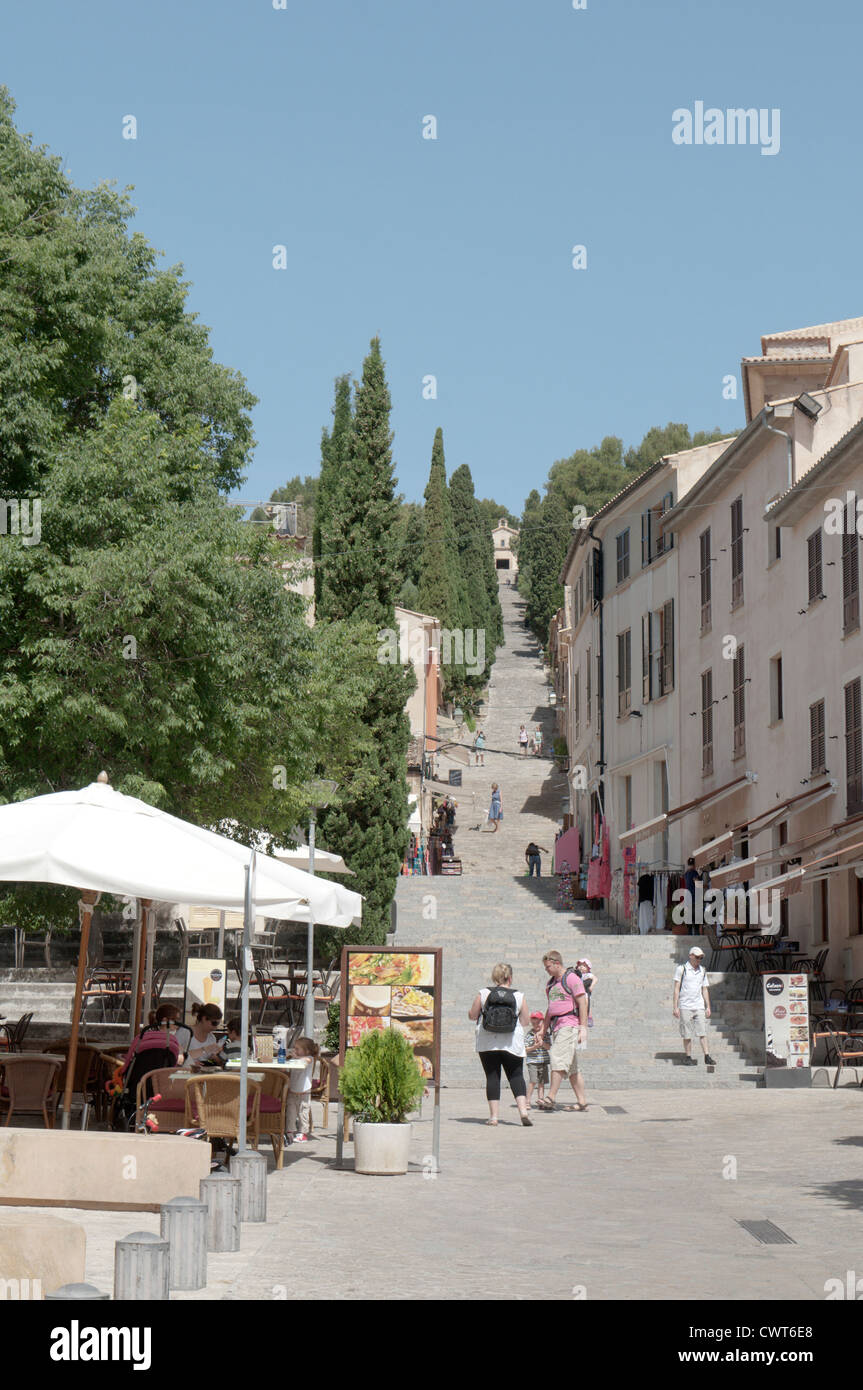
x,y
645,539
705,578
706,723
814,547
668,647
853,750
850,569
737,552
646,691
817,752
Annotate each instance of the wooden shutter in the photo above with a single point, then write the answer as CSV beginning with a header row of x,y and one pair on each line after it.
x,y
587,685
704,540
739,703
816,586
646,660
853,750
850,569
577,705
667,650
706,723
668,536
646,548
737,552
817,749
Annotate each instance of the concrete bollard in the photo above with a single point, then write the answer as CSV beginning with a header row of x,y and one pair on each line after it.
x,y
221,1193
141,1268
184,1227
251,1169
76,1293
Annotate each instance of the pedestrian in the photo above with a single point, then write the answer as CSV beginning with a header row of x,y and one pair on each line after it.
x,y
534,861
690,878
584,970
691,1005
522,739
537,1060
479,749
495,811
537,741
566,1026
501,1016
298,1114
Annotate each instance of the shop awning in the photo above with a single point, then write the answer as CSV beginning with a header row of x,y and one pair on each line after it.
x,y
792,806
784,884
714,849
641,832
734,873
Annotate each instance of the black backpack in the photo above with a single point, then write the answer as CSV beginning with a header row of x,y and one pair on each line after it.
x,y
500,1011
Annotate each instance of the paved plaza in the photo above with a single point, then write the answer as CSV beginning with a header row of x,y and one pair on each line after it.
x,y
638,1205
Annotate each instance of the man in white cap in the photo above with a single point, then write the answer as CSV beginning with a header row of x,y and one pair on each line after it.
x,y
691,1005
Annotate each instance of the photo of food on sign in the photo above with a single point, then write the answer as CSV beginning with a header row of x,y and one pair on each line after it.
x,y
390,968
369,1001
358,1027
419,1033
426,1066
800,1034
410,1002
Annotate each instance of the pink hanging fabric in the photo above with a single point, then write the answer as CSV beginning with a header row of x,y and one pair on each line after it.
x,y
566,848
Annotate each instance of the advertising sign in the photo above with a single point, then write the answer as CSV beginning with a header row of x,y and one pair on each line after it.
x,y
206,983
786,1020
394,989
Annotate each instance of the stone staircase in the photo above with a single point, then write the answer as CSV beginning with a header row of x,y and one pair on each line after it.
x,y
483,918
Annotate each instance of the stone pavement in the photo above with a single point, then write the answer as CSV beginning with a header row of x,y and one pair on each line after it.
x,y
640,1205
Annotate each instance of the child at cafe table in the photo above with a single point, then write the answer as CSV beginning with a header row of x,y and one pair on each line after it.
x,y
298,1115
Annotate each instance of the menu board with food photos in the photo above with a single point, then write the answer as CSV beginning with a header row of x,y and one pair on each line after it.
x,y
394,989
786,1020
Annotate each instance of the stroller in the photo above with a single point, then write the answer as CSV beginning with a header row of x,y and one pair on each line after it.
x,y
124,1112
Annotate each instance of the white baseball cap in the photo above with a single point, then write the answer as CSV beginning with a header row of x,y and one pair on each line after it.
x,y
696,951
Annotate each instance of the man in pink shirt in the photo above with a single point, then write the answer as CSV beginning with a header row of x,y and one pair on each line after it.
x,y
566,1024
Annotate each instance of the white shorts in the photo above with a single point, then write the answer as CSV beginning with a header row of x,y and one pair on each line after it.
x,y
692,1024
563,1052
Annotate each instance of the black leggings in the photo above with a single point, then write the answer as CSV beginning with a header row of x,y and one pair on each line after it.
x,y
512,1065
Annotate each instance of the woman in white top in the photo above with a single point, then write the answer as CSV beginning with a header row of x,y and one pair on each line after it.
x,y
502,1050
203,1043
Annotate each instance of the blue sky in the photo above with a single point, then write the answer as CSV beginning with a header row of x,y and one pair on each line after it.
x,y
303,127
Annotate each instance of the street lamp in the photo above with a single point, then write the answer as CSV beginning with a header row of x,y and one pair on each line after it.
x,y
320,793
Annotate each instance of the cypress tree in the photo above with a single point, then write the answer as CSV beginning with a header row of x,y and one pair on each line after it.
x,y
441,586
474,560
334,452
368,826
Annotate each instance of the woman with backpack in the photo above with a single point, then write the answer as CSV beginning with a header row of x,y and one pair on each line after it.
x,y
501,1016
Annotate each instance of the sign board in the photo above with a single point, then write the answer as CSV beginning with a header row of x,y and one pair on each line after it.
x,y
206,983
400,989
786,1020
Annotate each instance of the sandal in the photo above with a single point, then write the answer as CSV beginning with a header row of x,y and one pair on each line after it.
x,y
546,1105
491,1122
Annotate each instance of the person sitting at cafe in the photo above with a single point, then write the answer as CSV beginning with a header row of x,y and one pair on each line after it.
x,y
158,1034
232,1048
203,1044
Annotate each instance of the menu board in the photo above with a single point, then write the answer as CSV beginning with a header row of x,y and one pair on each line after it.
x,y
394,989
206,983
786,1020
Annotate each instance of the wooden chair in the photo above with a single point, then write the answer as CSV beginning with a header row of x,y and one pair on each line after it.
x,y
14,1033
213,1102
170,1108
272,1112
320,1089
842,1049
30,1086
814,968
720,944
87,1084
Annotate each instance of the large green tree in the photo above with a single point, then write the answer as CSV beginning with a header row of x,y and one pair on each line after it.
x,y
441,584
368,823
477,565
335,444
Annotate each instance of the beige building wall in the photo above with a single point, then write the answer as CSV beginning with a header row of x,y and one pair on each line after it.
x,y
505,558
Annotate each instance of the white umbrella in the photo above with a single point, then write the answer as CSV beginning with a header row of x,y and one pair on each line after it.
x,y
325,863
98,840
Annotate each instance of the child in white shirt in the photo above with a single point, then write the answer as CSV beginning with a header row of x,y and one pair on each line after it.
x,y
299,1111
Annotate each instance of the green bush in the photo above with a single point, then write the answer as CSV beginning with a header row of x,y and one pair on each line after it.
x,y
331,1035
380,1081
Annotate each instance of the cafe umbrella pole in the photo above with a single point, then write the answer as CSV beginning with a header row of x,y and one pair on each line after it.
x,y
248,919
309,1011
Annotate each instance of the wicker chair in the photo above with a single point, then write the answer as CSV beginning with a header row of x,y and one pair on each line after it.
x,y
14,1033
214,1104
320,1089
88,1081
275,1088
30,1086
170,1108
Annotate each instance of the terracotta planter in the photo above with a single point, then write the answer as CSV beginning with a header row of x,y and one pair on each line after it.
x,y
381,1149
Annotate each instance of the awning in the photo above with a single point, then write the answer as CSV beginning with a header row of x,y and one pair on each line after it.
x,y
783,884
641,832
792,805
714,849
710,798
734,873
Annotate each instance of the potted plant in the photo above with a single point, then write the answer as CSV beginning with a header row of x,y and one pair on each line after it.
x,y
381,1084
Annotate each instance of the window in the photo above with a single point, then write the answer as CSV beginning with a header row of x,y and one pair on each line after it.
x,y
782,839
739,703
853,751
647,653
817,746
737,552
657,652
624,672
850,569
623,556
666,647
816,585
777,542
775,689
706,723
587,673
653,542
577,702
625,808
704,543
589,568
